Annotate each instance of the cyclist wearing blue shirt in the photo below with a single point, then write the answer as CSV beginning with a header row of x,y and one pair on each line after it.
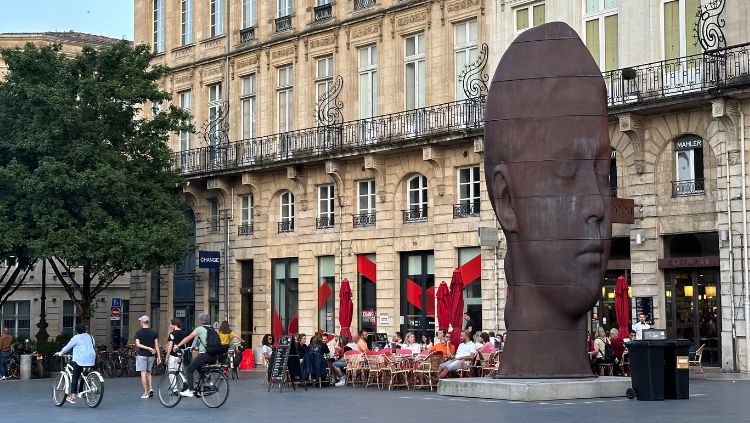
x,y
84,355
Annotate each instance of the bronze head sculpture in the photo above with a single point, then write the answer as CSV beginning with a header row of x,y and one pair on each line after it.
x,y
547,158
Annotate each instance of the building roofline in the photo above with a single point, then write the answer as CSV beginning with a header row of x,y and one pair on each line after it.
x,y
73,37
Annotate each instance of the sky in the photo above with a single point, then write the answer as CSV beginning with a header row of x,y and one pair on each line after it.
x,y
113,18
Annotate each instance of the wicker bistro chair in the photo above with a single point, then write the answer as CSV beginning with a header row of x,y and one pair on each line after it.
x,y
356,368
395,374
697,359
489,363
426,374
375,365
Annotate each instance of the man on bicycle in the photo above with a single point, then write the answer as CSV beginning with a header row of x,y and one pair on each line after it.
x,y
201,332
84,355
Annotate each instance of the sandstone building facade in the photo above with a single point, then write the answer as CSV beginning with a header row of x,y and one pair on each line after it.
x,y
344,140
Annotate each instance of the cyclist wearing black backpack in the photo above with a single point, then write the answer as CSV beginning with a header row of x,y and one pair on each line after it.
x,y
209,348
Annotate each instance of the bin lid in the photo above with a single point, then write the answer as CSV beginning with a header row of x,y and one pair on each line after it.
x,y
659,343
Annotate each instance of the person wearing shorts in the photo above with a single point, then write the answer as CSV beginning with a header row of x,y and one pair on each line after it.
x,y
466,351
147,343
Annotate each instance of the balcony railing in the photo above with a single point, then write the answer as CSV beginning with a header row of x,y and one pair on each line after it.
x,y
363,219
415,214
688,187
323,12
351,137
720,68
284,23
214,224
247,35
286,226
363,4
325,222
466,210
245,229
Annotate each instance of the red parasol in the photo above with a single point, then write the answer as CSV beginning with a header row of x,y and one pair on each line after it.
x,y
622,306
457,306
346,308
443,306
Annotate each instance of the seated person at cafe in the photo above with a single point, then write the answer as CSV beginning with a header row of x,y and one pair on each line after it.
x,y
619,348
362,342
425,343
465,353
350,345
411,343
318,346
487,346
443,344
302,344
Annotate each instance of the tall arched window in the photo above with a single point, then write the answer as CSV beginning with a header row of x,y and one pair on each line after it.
x,y
286,224
416,199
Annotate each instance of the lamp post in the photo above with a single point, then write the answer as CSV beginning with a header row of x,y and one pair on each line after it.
x,y
42,335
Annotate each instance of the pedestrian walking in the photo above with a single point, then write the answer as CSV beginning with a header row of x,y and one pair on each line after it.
x,y
147,343
6,341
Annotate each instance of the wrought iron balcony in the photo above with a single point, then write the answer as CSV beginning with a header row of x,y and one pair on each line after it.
x,y
688,187
415,214
363,4
245,229
325,222
363,219
353,137
466,209
720,68
247,35
323,12
284,23
286,226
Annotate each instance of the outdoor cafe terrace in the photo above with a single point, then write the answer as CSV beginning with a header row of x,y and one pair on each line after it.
x,y
657,84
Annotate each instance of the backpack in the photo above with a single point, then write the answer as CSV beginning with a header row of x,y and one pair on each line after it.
x,y
213,343
609,353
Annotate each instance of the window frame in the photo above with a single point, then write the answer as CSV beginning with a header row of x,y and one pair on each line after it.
x,y
185,136
287,205
474,197
682,33
159,26
249,13
418,61
470,48
247,209
214,107
323,81
70,330
422,191
287,6
249,98
186,22
285,91
601,15
370,196
368,70
16,318
216,17
530,7
328,201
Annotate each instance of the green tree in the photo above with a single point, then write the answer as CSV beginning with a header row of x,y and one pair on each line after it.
x,y
91,184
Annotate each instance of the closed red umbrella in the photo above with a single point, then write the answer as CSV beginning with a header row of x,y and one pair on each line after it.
x,y
622,306
443,306
457,306
346,308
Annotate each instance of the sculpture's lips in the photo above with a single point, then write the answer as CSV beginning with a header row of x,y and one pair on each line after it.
x,y
592,248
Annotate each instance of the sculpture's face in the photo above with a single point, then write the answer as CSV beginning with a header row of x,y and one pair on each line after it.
x,y
561,204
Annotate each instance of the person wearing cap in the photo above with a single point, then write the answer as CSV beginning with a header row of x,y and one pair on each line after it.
x,y
147,343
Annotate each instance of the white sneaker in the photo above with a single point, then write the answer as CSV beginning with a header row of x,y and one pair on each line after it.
x,y
187,393
342,382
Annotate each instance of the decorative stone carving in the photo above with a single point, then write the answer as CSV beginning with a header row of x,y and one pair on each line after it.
x,y
634,127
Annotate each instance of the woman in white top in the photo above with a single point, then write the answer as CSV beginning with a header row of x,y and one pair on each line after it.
x,y
267,348
411,343
84,355
597,356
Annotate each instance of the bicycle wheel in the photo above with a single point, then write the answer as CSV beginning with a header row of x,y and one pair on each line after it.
x,y
58,390
95,390
108,367
169,389
214,390
130,366
119,367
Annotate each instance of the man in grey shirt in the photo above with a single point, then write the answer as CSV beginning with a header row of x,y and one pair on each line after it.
x,y
203,358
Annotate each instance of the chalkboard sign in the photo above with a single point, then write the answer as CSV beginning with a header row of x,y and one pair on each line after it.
x,y
645,306
284,359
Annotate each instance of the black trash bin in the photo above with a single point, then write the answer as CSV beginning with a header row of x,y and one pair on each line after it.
x,y
647,369
676,371
659,369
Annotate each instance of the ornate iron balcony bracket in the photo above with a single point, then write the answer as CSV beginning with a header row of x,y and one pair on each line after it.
x,y
216,131
329,106
473,78
708,30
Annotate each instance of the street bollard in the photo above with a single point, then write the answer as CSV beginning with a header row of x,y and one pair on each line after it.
x,y
25,370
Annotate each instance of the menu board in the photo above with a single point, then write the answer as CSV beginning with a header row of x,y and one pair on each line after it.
x,y
645,306
280,360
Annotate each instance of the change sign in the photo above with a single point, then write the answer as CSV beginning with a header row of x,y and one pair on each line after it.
x,y
209,259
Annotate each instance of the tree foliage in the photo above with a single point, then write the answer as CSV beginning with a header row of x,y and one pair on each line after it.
x,y
84,172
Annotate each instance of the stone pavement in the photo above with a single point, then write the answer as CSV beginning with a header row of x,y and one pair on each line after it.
x,y
30,401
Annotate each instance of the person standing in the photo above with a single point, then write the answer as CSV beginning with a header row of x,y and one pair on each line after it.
x,y
469,326
6,341
640,326
174,338
147,343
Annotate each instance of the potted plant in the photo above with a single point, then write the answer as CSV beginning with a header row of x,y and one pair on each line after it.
x,y
629,74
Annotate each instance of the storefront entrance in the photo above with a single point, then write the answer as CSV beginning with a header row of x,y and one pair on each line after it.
x,y
693,306
418,293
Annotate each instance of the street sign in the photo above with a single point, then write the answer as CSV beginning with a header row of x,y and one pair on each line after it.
x,y
209,259
116,302
116,312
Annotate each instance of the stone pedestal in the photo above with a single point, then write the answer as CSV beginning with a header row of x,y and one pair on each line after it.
x,y
535,389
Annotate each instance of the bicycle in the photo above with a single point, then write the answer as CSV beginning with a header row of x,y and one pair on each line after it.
x,y
234,356
161,368
91,384
212,387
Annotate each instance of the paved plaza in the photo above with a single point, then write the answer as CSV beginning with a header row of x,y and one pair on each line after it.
x,y
721,398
